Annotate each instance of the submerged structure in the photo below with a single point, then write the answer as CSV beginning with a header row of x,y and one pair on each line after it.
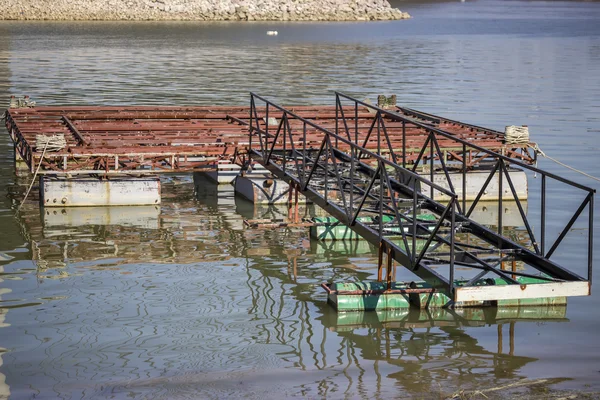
x,y
406,181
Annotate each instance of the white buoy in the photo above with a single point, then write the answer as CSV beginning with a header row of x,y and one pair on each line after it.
x,y
272,33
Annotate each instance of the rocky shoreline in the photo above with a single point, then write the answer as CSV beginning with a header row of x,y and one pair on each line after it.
x,y
200,10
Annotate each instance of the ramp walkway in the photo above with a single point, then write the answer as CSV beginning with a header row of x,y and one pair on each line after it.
x,y
425,224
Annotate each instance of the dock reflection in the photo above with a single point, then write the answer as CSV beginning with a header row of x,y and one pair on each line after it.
x,y
258,301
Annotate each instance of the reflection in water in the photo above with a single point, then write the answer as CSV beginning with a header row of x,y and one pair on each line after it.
x,y
184,301
185,298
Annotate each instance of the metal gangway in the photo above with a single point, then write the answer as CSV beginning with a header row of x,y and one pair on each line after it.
x,y
366,183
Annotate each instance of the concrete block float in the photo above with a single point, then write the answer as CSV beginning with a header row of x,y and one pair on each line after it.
x,y
92,191
370,296
475,181
419,318
260,187
137,216
223,172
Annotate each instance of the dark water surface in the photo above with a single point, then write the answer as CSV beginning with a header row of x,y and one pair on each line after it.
x,y
181,301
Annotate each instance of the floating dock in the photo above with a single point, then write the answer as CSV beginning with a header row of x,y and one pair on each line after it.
x,y
142,140
375,169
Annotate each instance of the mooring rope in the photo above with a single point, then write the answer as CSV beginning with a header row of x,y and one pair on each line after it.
x,y
55,142
539,151
516,134
51,143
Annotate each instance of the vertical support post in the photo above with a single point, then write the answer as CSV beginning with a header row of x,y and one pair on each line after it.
x,y
252,108
326,168
266,133
285,132
464,179
590,238
378,116
403,144
381,166
356,122
452,232
296,211
338,104
500,191
352,162
543,217
511,338
389,268
431,164
499,338
303,178
414,225
380,264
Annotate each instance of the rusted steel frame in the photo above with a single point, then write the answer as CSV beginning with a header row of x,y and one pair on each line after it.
x,y
338,105
465,125
419,114
445,169
366,139
503,273
19,140
421,153
270,153
473,146
434,234
470,254
423,271
520,208
486,269
585,202
360,228
337,175
476,160
74,131
491,237
387,138
380,260
314,166
294,153
328,289
590,239
538,262
395,208
483,188
352,222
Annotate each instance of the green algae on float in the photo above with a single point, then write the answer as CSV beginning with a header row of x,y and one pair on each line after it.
x,y
330,228
369,296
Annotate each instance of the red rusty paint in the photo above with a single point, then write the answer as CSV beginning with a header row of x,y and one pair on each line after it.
x,y
153,137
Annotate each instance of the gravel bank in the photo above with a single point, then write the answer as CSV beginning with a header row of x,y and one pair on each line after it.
x,y
200,10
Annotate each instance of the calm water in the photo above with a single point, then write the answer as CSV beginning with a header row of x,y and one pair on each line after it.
x,y
182,301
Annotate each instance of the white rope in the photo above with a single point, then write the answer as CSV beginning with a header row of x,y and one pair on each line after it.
x,y
539,151
516,134
34,175
55,142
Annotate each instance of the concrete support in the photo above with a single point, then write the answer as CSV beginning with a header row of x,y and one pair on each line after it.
x,y
260,188
475,181
137,216
224,172
92,191
486,213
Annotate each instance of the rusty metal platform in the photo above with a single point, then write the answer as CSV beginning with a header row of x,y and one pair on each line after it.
x,y
150,139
